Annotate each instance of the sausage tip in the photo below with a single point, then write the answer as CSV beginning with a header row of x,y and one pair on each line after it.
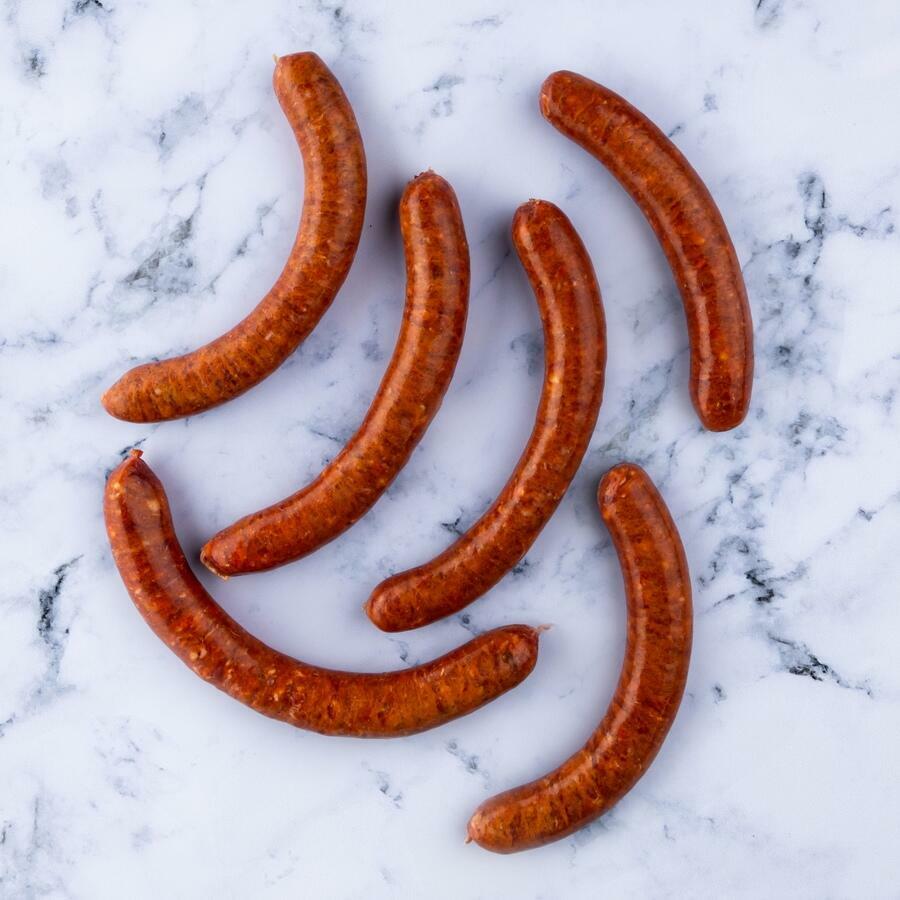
x,y
294,67
206,557
114,401
527,216
550,83
423,179
386,608
131,461
725,414
126,399
479,832
613,481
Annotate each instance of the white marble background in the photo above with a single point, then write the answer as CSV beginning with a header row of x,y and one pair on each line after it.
x,y
151,190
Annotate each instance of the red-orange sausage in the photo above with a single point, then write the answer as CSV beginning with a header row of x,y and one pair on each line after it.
x,y
209,641
562,277
658,589
434,321
334,203
689,226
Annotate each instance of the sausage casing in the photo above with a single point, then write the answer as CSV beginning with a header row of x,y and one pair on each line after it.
x,y
334,204
185,617
431,336
657,654
689,227
563,280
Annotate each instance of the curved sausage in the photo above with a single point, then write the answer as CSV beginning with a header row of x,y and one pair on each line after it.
x,y
658,590
334,203
562,277
689,227
215,647
434,320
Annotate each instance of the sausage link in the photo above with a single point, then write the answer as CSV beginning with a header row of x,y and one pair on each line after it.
x,y
205,638
563,280
689,227
334,204
657,654
434,321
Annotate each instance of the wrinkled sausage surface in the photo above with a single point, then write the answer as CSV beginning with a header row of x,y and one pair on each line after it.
x,y
334,204
689,227
184,616
657,654
431,336
563,280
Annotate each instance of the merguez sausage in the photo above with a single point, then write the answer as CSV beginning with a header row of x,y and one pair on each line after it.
x,y
215,647
658,590
689,226
333,207
434,320
563,280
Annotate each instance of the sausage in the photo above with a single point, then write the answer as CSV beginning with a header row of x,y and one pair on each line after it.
x,y
205,638
431,335
689,227
334,203
563,280
657,654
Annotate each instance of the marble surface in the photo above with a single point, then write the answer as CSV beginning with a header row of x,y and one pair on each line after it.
x,y
151,190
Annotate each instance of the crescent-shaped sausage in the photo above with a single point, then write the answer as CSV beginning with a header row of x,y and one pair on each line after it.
x,y
562,277
434,321
334,204
657,654
207,640
689,227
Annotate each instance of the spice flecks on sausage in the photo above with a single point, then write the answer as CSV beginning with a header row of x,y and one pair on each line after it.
x,y
563,280
689,227
419,373
183,615
333,208
657,655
